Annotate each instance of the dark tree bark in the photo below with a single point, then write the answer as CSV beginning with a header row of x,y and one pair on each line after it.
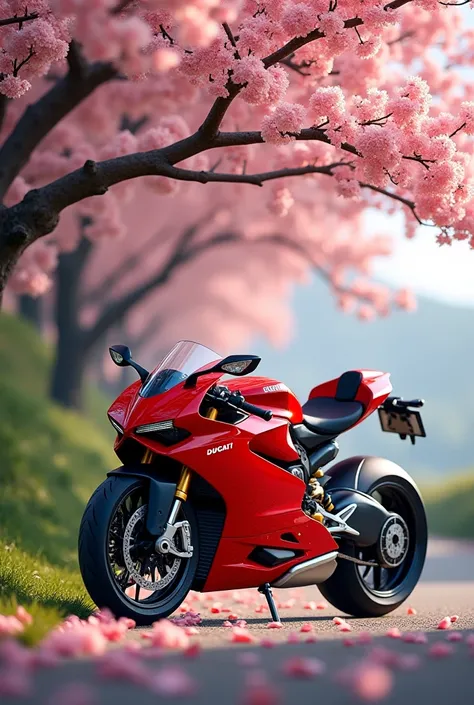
x,y
30,309
71,351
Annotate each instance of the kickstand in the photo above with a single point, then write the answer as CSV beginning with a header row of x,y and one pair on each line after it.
x,y
267,591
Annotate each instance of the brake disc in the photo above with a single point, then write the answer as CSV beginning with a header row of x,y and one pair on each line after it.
x,y
128,542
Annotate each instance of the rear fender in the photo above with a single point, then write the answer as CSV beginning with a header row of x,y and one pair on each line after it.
x,y
160,496
350,481
361,472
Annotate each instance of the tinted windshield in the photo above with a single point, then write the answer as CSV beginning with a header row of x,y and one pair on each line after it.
x,y
185,358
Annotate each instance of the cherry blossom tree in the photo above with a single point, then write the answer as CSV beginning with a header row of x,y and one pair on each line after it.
x,y
203,270
361,100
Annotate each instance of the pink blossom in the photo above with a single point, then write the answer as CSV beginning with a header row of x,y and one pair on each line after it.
x,y
14,87
306,627
274,625
285,121
394,633
309,606
327,103
453,618
248,659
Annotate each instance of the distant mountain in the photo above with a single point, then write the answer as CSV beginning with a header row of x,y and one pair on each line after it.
x,y
430,354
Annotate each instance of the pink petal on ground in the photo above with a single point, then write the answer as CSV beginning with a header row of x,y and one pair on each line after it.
x,y
193,651
383,657
241,623
260,608
311,639
260,694
132,647
191,631
268,643
445,623
322,606
15,683
168,636
14,655
10,625
240,635
454,636
248,659
73,694
364,638
184,607
227,624
274,625
372,682
82,640
233,616
152,653
173,680
411,610
309,606
410,638
394,633
293,638
303,667
24,616
288,604
46,658
114,631
348,641
103,615
306,627
421,638
129,623
345,627
338,620
119,666
408,662
440,650
454,618
470,640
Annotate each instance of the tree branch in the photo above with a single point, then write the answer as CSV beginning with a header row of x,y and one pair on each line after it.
x,y
40,118
205,177
19,20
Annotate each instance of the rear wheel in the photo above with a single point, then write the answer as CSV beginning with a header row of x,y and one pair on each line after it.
x,y
119,565
365,591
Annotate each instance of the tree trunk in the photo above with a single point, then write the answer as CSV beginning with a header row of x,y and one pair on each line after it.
x,y
31,309
71,353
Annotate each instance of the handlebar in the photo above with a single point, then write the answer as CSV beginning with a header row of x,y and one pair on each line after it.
x,y
236,400
264,414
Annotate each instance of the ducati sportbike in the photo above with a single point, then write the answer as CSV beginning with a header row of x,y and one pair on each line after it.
x,y
222,487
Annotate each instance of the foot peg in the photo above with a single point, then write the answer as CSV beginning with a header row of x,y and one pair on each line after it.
x,y
267,591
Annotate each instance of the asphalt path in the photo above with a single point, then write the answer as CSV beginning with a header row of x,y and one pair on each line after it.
x,y
223,672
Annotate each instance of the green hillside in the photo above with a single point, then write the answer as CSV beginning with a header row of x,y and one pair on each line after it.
x,y
51,459
451,507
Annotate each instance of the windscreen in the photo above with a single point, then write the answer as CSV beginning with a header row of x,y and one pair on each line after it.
x,y
185,358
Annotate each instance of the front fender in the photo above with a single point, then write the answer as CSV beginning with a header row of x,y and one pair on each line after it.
x,y
361,472
160,496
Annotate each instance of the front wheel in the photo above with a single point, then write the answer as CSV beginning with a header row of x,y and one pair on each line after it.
x,y
363,591
117,558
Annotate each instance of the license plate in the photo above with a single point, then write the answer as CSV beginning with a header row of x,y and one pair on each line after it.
x,y
404,423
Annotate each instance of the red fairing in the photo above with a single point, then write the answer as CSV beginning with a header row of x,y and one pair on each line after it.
x,y
270,394
374,388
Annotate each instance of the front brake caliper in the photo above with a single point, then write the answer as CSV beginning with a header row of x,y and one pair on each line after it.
x,y
166,544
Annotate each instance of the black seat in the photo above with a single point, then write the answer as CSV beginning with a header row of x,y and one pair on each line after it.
x,y
327,415
333,415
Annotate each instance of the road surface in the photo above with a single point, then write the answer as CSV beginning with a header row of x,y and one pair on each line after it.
x,y
446,588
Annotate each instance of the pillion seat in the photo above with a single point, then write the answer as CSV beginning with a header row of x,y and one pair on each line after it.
x,y
334,415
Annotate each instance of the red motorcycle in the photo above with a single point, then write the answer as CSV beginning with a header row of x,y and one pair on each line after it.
x,y
222,488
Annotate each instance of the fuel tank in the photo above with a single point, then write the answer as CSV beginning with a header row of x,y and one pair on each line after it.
x,y
269,394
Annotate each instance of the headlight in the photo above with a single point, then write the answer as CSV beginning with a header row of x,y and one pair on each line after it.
x,y
116,425
164,432
150,427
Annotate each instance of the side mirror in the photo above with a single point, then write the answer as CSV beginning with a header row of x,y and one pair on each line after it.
x,y
122,356
237,365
